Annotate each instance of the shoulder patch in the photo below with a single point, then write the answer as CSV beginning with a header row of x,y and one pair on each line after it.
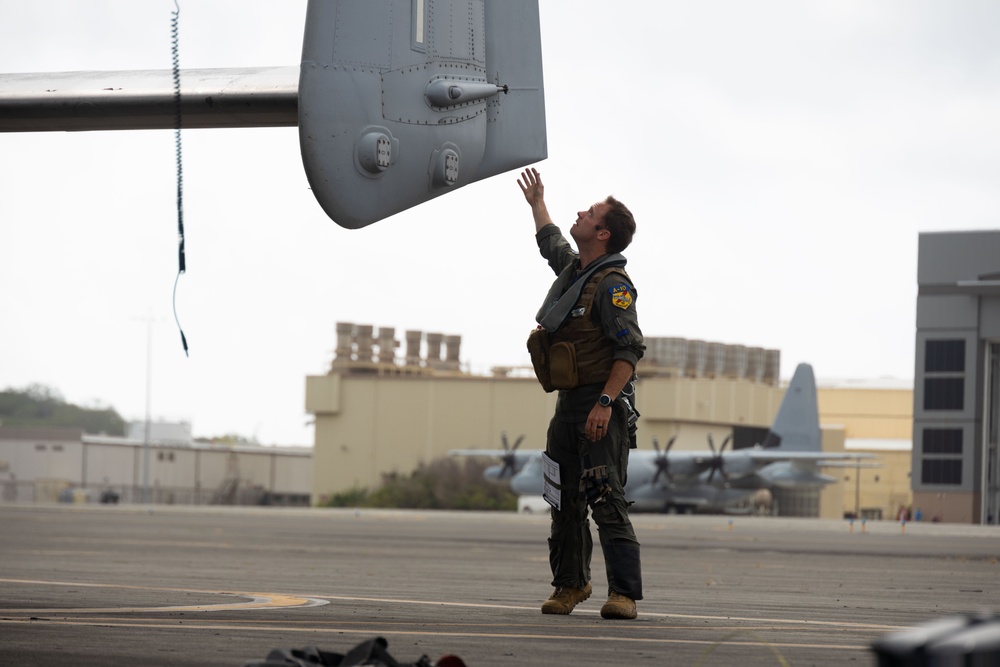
x,y
621,296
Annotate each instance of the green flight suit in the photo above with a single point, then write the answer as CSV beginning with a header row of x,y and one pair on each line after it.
x,y
570,542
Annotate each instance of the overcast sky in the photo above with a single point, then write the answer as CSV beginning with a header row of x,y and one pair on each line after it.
x,y
781,158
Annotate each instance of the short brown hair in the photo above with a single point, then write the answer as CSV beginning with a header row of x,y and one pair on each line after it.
x,y
619,221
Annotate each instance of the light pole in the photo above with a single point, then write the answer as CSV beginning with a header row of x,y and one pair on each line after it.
x,y
857,489
149,386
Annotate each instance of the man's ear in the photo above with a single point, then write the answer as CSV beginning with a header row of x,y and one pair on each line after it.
x,y
603,234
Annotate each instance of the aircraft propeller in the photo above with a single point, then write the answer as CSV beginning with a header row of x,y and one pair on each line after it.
x,y
716,461
509,459
662,465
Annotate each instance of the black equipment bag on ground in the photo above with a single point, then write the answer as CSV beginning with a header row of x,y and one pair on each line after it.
x,y
372,652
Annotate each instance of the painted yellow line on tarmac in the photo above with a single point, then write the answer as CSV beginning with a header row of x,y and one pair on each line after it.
x,y
257,600
278,600
113,622
577,611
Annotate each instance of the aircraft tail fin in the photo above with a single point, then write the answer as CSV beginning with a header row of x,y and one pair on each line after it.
x,y
796,427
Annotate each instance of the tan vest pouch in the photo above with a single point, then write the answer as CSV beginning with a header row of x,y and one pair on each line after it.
x,y
538,348
562,366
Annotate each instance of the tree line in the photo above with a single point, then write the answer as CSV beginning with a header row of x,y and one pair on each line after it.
x,y
442,484
38,405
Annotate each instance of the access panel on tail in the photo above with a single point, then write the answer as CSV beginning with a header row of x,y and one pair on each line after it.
x,y
401,101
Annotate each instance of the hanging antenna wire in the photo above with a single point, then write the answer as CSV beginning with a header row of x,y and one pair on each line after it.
x,y
182,267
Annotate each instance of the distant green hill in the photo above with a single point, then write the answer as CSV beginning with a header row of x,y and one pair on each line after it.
x,y
38,405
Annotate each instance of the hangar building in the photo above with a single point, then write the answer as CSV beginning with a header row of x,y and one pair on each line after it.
x,y
956,392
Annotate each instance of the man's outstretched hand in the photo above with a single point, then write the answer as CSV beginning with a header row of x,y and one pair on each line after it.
x,y
531,185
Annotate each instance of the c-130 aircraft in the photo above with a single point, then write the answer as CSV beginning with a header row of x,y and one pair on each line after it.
x,y
397,101
789,457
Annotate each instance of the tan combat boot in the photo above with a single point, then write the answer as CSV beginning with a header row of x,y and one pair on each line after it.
x,y
563,600
618,606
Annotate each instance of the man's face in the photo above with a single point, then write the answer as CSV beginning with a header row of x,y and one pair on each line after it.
x,y
588,223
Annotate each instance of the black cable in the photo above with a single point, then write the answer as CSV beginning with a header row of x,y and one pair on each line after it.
x,y
182,266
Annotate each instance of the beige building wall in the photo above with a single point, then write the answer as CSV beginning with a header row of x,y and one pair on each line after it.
x,y
831,497
694,408
878,492
371,423
374,418
868,412
868,415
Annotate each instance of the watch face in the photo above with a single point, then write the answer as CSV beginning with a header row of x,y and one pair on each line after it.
x,y
605,400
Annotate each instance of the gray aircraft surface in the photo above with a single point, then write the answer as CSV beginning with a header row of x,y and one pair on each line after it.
x,y
790,457
397,101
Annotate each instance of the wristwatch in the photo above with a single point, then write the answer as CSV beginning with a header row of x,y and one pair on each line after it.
x,y
604,400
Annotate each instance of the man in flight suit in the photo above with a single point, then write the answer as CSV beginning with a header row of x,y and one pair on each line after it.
x,y
593,344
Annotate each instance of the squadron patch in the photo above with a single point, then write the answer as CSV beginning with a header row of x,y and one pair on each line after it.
x,y
621,296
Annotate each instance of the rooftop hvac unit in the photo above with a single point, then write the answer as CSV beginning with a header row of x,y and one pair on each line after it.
x,y
674,354
345,341
697,358
452,345
772,366
755,364
386,345
434,341
413,339
363,339
736,361
716,362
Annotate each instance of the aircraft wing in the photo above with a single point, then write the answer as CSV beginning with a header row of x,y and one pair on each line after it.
x,y
853,462
763,456
516,459
518,469
647,456
520,455
144,99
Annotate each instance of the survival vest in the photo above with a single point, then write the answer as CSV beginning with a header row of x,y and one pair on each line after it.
x,y
578,352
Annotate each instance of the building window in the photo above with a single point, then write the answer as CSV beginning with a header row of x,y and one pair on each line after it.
x,y
944,381
942,441
40,447
941,471
937,469
944,393
944,356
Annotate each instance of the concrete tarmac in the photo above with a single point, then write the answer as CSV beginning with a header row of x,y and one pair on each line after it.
x,y
178,586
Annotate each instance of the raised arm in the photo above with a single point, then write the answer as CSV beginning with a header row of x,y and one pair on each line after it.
x,y
534,193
